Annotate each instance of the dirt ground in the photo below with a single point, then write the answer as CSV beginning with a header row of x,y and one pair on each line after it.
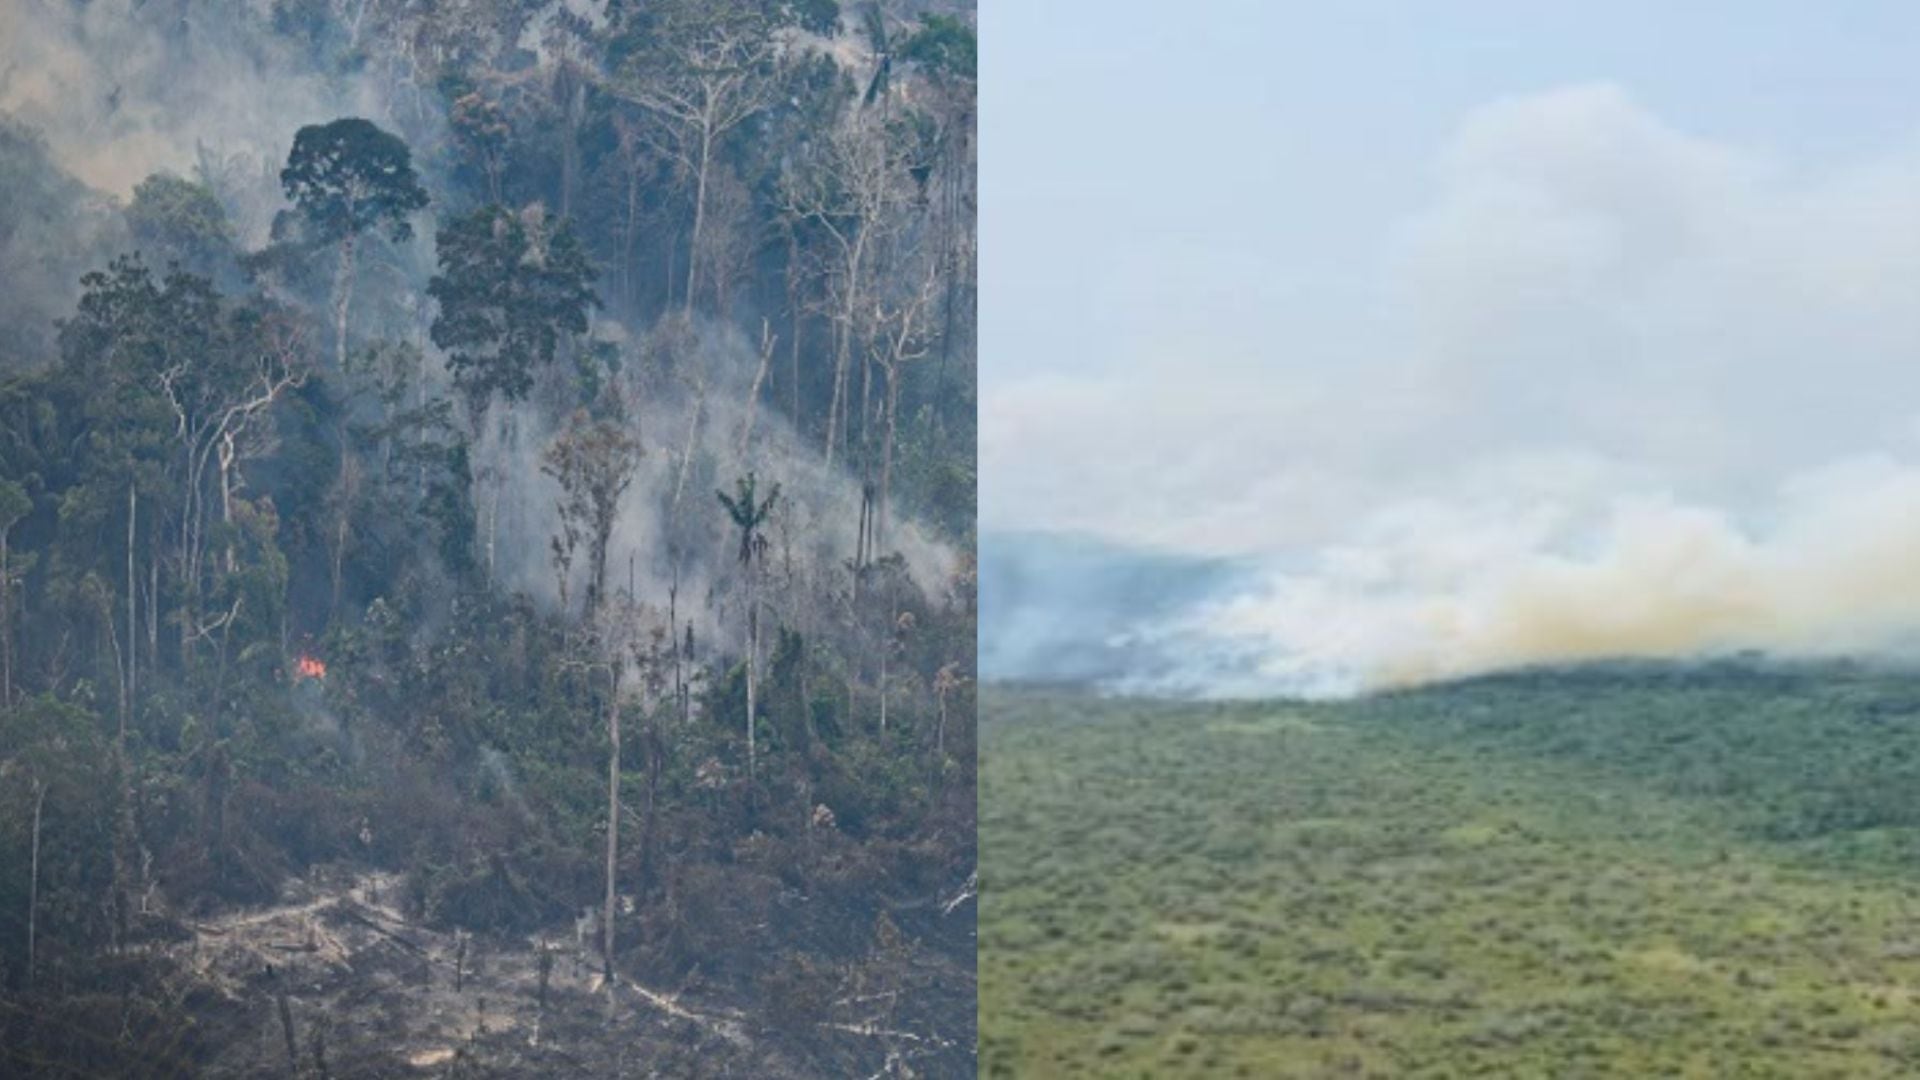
x,y
336,981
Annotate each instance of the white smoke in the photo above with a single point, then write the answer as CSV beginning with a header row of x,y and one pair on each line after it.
x,y
122,89
814,527
1631,391
1445,590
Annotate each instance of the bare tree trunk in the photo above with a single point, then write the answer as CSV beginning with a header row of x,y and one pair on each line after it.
x,y
841,356
286,1023
320,1049
496,482
667,278
133,590
493,520
342,301
886,645
886,454
843,343
686,455
6,625
673,632
627,235
227,454
33,875
105,602
795,317
613,821
153,603
759,379
866,415
337,564
699,212
753,650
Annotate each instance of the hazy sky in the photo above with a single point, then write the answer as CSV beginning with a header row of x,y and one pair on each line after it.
x,y
1370,224
1502,331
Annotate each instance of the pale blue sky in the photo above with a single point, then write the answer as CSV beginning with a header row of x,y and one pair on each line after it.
x,y
1198,141
1458,315
1225,187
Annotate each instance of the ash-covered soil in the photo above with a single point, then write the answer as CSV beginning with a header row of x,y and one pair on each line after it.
x,y
336,980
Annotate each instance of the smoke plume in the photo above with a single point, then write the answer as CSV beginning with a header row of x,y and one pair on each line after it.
x,y
1625,390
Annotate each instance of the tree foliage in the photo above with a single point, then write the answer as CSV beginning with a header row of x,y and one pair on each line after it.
x,y
509,291
349,176
269,618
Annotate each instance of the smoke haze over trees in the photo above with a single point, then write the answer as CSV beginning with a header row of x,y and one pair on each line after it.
x,y
1512,334
368,372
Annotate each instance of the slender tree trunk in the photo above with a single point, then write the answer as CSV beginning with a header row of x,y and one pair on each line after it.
x,y
227,455
886,649
627,235
33,876
105,611
320,1049
153,603
672,252
6,624
843,343
286,1023
342,531
686,455
493,520
673,630
866,415
495,483
794,282
184,609
420,402
753,650
753,394
343,301
699,213
886,455
613,821
133,590
841,356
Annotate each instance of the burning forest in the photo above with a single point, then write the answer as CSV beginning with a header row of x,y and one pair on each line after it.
x,y
485,576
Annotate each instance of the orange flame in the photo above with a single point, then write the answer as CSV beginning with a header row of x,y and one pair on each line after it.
x,y
308,667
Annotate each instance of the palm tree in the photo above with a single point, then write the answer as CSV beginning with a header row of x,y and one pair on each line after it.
x,y
748,514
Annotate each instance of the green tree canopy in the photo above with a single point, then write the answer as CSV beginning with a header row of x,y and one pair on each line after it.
x,y
350,176
178,221
509,292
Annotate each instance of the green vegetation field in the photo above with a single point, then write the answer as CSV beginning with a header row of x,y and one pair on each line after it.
x,y
1637,871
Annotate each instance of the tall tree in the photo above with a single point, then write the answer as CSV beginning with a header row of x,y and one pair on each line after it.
x,y
902,335
178,221
594,461
484,132
183,377
348,177
748,513
511,291
708,68
848,187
